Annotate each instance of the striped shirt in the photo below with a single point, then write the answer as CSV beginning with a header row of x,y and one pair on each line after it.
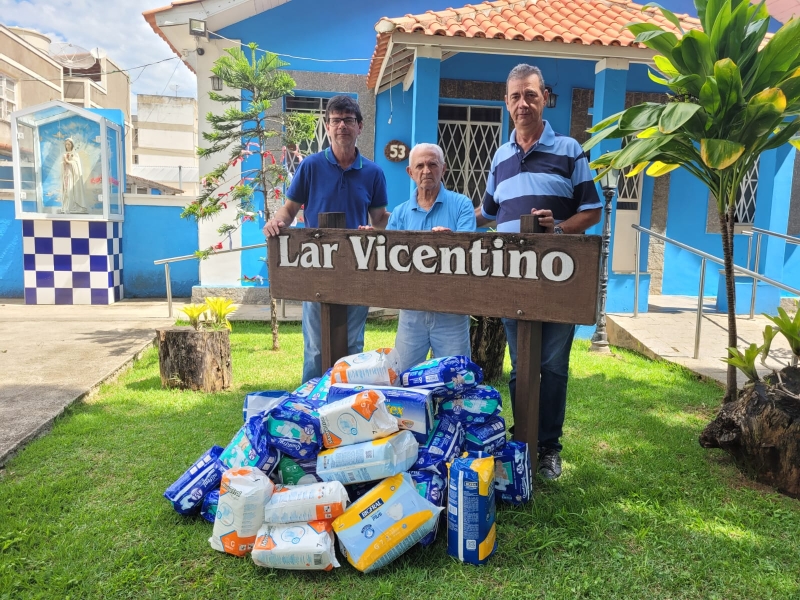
x,y
553,175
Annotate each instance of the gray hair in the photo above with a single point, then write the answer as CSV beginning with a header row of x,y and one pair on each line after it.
x,y
431,147
523,71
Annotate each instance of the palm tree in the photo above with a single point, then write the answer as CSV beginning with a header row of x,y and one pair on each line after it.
x,y
734,98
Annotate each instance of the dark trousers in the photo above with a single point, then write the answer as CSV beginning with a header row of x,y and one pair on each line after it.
x,y
556,345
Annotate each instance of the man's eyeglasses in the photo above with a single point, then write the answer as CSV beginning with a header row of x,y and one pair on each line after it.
x,y
349,121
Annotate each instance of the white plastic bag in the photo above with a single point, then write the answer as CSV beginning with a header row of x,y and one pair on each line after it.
x,y
378,367
298,546
358,418
240,511
369,461
301,503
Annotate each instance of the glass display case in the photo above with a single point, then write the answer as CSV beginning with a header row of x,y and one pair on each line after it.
x,y
68,164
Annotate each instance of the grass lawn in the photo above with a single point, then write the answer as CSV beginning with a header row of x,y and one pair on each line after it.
x,y
640,512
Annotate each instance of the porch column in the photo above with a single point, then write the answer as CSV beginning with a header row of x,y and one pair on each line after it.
x,y
773,199
425,107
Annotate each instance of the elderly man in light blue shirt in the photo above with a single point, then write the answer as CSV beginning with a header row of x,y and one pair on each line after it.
x,y
431,208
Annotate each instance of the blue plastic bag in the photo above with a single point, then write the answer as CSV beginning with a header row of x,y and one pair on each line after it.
x,y
486,437
444,443
476,405
447,376
293,428
513,481
209,509
250,448
188,491
305,389
471,532
261,402
432,487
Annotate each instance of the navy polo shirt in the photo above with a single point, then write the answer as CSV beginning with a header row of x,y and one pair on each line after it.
x,y
323,186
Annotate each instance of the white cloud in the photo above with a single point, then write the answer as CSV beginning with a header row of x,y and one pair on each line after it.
x,y
115,26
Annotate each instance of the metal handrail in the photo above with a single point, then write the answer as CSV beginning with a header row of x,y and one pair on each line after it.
x,y
762,232
167,261
705,256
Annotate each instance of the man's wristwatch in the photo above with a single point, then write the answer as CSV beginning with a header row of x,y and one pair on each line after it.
x,y
557,230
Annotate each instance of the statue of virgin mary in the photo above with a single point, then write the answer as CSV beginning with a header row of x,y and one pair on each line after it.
x,y
73,193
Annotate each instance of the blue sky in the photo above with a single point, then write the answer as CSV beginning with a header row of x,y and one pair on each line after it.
x,y
116,26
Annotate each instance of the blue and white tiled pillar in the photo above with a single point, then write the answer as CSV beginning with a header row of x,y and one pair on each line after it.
x,y
72,262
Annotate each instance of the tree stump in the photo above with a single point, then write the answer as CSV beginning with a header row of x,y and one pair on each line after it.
x,y
488,342
194,360
761,431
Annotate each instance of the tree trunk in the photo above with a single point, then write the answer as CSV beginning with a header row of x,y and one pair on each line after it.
x,y
273,310
730,291
761,431
194,360
488,342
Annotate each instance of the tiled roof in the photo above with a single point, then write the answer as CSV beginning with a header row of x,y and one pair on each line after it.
x,y
587,22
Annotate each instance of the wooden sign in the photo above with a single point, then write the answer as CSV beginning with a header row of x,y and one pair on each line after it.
x,y
396,151
520,276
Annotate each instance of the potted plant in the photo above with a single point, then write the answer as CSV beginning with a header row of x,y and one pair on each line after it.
x,y
198,356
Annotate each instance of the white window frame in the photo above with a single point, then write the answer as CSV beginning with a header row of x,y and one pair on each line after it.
x,y
5,102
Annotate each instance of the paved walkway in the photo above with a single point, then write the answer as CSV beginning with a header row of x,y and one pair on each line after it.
x,y
667,331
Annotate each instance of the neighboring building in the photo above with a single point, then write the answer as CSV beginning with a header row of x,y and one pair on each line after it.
x,y
438,74
165,141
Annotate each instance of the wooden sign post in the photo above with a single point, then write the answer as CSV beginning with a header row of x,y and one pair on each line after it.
x,y
524,276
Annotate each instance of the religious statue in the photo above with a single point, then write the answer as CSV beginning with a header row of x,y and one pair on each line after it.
x,y
73,194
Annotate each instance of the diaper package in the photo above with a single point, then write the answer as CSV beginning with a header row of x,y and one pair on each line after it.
x,y
357,418
250,448
318,396
261,402
369,461
209,509
433,488
475,405
297,546
413,407
384,523
471,533
486,437
296,471
298,504
306,388
447,376
240,510
378,367
186,494
443,445
513,481
293,428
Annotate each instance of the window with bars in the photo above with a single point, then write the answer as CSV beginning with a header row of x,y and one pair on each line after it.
x,y
469,137
315,106
745,211
8,96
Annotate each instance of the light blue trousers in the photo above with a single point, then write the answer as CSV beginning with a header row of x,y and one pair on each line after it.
x,y
312,346
418,332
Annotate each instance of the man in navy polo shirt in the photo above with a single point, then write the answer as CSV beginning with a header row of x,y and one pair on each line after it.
x,y
431,208
546,174
337,179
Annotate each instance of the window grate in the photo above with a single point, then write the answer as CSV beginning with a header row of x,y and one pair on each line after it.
x,y
745,211
315,106
8,97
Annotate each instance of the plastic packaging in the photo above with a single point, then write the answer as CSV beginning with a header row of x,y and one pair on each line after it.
x,y
293,428
295,471
209,509
298,504
513,482
369,461
357,418
443,445
486,437
318,396
434,489
475,405
378,367
471,532
297,546
447,376
250,448
261,402
413,407
186,494
384,523
240,511
306,388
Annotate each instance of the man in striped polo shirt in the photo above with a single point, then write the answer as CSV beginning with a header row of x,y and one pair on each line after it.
x,y
545,174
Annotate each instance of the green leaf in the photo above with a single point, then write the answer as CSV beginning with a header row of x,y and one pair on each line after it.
x,y
790,86
729,85
764,112
778,55
686,83
720,154
658,168
654,37
745,361
640,117
656,78
720,28
607,133
668,14
769,335
694,49
709,96
639,150
675,115
605,122
664,65
783,136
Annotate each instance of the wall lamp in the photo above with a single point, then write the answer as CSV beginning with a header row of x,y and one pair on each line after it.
x,y
216,83
552,98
